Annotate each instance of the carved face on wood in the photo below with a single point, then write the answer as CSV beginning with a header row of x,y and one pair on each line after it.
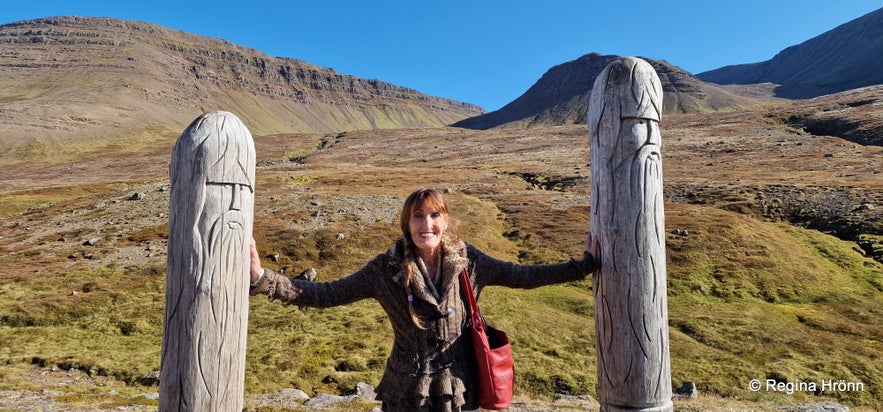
x,y
229,198
210,223
230,188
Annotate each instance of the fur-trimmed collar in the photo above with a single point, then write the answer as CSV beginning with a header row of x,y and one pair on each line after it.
x,y
454,260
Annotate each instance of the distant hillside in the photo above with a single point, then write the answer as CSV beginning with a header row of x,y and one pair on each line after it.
x,y
81,78
561,96
845,58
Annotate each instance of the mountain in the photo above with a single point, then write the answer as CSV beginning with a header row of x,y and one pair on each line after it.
x,y
561,96
82,78
846,57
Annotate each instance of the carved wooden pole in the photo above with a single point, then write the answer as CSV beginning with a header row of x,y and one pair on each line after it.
x,y
631,308
210,222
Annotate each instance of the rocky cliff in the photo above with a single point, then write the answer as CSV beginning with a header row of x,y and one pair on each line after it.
x,y
76,77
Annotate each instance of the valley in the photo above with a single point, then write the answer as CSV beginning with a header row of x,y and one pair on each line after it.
x,y
766,277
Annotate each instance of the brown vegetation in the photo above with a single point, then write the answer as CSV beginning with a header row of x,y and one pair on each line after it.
x,y
751,294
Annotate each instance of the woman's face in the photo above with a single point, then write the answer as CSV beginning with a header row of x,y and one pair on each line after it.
x,y
427,226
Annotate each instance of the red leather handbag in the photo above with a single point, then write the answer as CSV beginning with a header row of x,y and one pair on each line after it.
x,y
493,356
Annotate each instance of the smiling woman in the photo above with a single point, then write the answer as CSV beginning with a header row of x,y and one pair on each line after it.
x,y
425,219
431,366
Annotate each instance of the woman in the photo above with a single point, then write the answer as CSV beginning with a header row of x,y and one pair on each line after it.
x,y
416,283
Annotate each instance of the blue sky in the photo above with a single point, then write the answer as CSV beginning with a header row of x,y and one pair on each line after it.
x,y
486,52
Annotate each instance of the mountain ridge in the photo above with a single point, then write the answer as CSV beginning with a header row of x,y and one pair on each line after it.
x,y
83,77
840,59
561,95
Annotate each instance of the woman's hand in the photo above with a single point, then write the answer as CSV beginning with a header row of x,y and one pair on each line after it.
x,y
256,269
593,245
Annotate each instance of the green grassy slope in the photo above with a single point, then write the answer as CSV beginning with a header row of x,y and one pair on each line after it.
x,y
748,300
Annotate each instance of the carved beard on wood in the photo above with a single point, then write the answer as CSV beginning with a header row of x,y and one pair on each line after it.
x,y
631,307
210,223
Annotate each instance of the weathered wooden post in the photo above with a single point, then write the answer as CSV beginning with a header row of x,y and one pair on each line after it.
x,y
631,308
210,222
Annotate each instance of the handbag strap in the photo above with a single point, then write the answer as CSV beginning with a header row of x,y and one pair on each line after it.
x,y
476,320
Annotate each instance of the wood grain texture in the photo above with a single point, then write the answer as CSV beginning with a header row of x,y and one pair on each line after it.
x,y
631,308
210,223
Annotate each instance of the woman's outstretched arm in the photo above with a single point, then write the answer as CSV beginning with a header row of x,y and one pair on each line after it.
x,y
491,271
356,286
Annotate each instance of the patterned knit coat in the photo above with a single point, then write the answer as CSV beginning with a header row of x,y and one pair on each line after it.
x,y
427,368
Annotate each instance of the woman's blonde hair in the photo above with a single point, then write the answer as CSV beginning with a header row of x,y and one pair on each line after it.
x,y
420,198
